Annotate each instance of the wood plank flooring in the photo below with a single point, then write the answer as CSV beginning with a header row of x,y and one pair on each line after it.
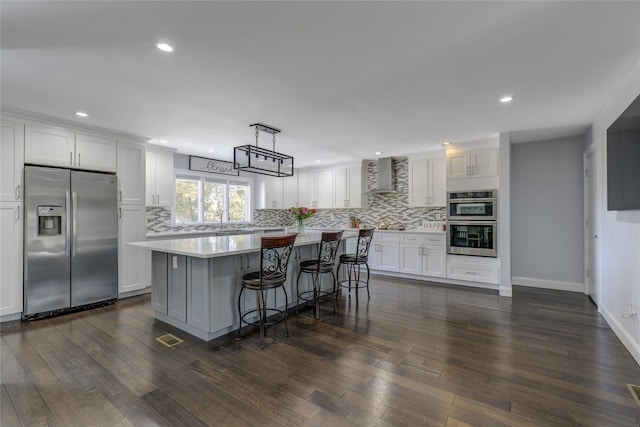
x,y
414,354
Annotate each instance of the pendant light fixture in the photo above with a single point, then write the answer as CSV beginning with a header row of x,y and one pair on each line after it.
x,y
251,158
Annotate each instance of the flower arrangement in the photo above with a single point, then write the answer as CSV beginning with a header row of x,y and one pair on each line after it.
x,y
302,213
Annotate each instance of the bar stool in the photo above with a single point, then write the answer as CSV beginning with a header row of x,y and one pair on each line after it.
x,y
354,262
324,264
274,260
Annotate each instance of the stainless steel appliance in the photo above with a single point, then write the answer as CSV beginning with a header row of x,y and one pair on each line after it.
x,y
472,238
472,205
472,228
70,240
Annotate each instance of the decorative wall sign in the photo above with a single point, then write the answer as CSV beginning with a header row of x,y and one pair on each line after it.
x,y
203,164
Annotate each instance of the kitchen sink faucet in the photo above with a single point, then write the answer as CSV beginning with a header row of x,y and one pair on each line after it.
x,y
222,213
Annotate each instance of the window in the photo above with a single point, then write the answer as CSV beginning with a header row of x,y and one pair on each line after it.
x,y
201,199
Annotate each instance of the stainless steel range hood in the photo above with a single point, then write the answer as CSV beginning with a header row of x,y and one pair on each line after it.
x,y
386,177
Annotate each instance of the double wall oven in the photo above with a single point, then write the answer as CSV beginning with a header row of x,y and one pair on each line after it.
x,y
472,223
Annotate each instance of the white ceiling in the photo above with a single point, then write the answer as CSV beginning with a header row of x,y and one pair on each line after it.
x,y
341,79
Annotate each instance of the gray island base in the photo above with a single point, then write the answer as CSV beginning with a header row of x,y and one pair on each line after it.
x,y
195,282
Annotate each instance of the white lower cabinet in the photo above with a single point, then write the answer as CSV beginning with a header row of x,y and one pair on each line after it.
x,y
384,253
11,258
131,260
474,269
423,254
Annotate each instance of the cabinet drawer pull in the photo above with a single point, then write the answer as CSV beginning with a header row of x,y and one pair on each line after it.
x,y
78,159
471,272
70,158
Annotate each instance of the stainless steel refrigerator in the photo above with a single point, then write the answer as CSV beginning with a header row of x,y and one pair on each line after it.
x,y
70,240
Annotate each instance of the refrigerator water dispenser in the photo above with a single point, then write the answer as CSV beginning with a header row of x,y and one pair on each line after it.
x,y
50,220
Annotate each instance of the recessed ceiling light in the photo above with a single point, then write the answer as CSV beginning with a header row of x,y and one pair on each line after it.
x,y
81,114
165,47
211,150
378,153
317,161
506,99
446,143
163,141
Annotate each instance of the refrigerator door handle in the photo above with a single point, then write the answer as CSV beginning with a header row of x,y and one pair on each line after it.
x,y
74,231
67,244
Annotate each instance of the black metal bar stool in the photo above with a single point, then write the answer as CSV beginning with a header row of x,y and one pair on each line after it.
x,y
274,260
324,264
354,262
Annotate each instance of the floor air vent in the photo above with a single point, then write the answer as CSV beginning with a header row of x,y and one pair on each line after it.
x,y
635,392
169,340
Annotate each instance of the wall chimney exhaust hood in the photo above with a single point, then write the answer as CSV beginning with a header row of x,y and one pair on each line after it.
x,y
386,177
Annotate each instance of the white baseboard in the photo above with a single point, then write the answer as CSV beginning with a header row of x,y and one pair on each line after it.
x,y
134,293
10,317
548,284
506,291
623,335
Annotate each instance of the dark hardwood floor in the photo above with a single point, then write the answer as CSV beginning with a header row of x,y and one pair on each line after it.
x,y
415,354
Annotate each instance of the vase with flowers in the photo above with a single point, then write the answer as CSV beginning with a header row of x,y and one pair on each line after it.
x,y
300,214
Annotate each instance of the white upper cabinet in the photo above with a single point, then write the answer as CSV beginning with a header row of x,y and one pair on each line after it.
x,y
427,183
55,146
315,189
48,145
95,153
280,192
131,174
159,178
273,192
477,163
347,188
11,161
289,191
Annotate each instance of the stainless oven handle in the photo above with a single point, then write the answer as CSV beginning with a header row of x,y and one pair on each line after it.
x,y
470,223
486,199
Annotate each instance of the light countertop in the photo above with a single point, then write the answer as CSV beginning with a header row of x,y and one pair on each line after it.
x,y
219,246
206,233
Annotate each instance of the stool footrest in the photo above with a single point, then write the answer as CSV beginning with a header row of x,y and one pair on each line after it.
x,y
274,316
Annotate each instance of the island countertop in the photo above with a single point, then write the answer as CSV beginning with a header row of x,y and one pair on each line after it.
x,y
212,247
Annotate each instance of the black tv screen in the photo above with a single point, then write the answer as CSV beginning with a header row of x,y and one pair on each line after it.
x,y
623,160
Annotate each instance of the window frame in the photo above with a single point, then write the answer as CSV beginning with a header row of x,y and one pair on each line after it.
x,y
203,177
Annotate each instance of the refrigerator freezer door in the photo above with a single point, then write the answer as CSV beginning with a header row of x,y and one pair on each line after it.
x,y
94,255
46,261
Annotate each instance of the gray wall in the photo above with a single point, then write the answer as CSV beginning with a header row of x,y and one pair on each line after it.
x,y
547,210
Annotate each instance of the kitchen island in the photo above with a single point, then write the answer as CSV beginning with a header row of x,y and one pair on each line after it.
x,y
195,281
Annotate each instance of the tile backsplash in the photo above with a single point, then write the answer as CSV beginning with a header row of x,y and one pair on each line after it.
x,y
390,207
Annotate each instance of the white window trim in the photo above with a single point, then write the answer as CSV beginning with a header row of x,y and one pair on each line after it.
x,y
221,178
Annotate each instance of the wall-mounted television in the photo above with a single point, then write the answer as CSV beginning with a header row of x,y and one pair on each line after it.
x,y
623,160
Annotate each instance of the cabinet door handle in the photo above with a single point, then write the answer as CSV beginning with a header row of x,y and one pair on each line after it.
x,y
241,262
18,192
78,159
17,212
120,193
120,213
70,158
